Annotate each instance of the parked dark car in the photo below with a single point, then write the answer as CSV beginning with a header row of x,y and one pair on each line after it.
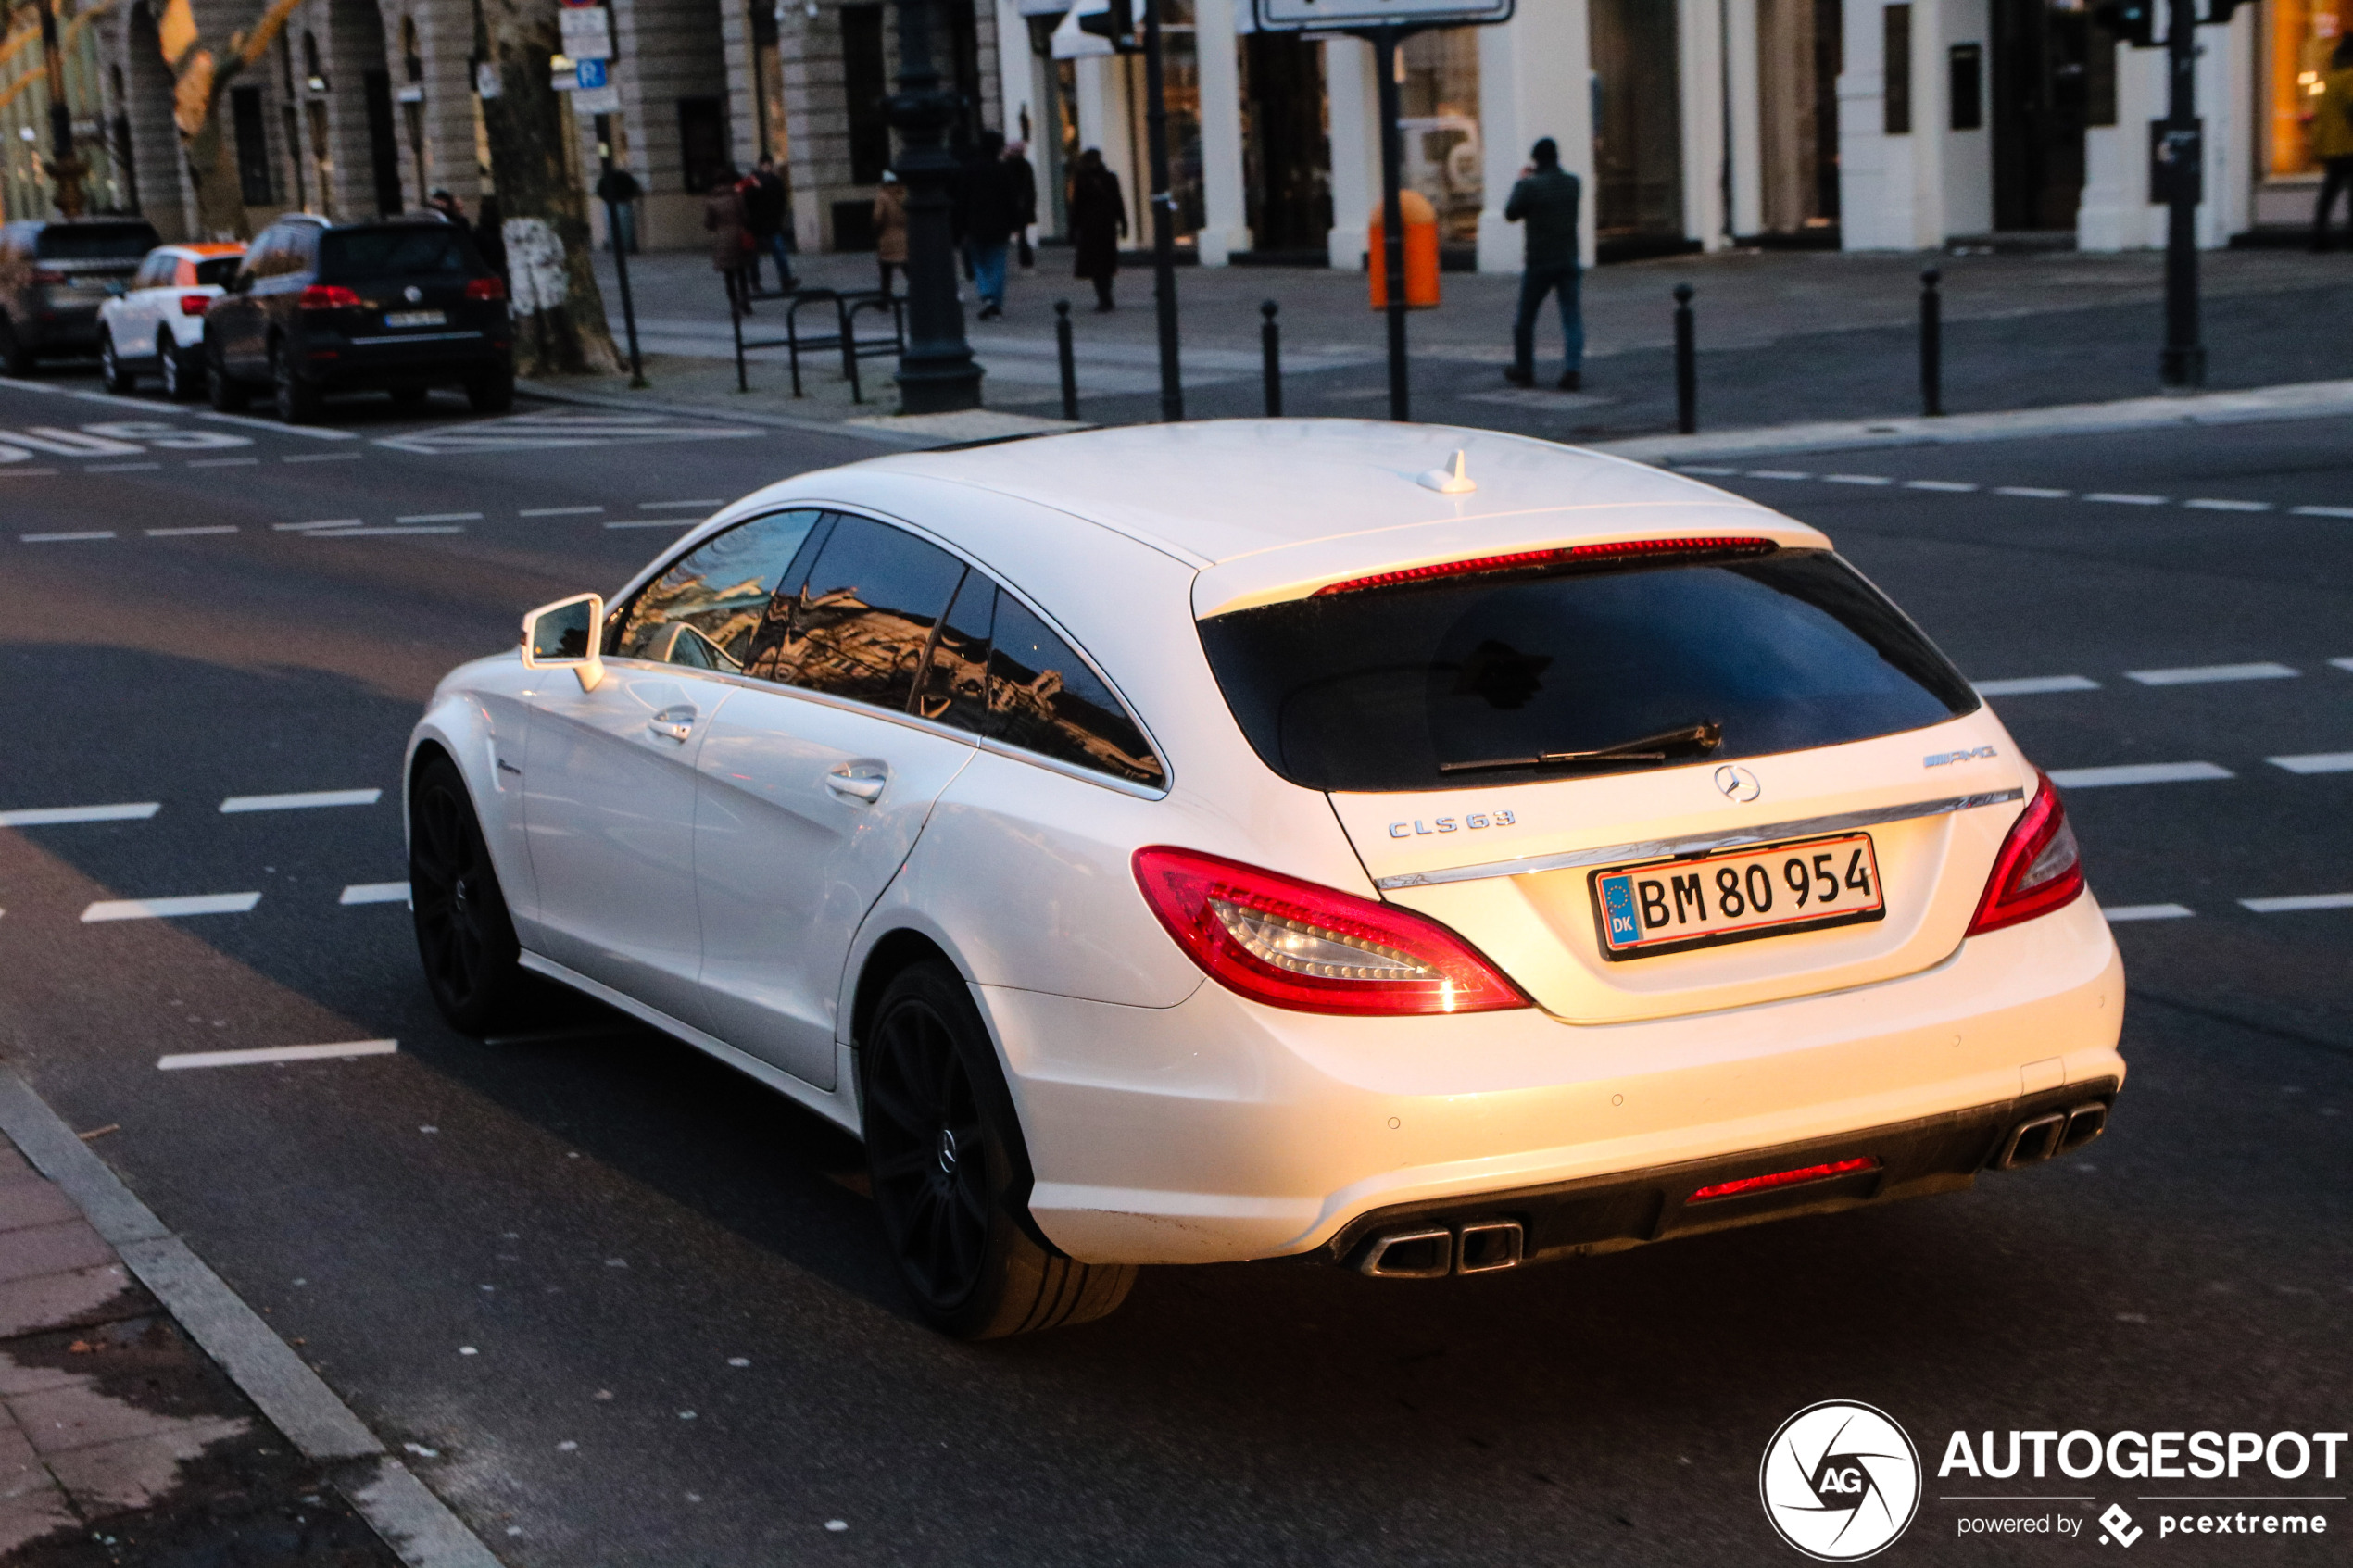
x,y
53,275
401,306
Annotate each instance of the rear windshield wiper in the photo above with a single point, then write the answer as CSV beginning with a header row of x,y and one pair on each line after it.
x,y
1704,737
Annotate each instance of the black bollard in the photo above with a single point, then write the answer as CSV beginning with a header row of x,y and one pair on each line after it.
x,y
1270,338
1686,364
1063,352
1932,345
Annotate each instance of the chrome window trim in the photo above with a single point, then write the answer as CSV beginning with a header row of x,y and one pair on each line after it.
x,y
1700,842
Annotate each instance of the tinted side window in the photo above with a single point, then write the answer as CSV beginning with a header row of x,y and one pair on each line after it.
x,y
955,684
704,610
215,272
1043,698
860,624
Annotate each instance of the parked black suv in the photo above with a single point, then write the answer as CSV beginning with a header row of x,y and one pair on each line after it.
x,y
54,274
400,306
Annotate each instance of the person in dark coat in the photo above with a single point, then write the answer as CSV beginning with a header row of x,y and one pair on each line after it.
x,y
1546,199
490,236
765,212
988,213
1024,184
1098,222
723,216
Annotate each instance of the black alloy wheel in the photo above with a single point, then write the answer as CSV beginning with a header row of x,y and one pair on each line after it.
x,y
464,935
298,399
117,377
182,372
941,1164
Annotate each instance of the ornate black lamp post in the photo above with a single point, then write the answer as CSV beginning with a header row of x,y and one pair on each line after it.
x,y
65,170
936,374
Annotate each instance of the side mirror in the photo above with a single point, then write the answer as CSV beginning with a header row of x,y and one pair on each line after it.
x,y
564,635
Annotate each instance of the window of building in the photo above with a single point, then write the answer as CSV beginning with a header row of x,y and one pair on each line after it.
x,y
1439,105
1965,83
1638,144
252,134
866,89
702,143
1895,34
2304,36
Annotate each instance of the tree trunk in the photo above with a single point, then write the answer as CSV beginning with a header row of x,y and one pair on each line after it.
x,y
221,203
559,315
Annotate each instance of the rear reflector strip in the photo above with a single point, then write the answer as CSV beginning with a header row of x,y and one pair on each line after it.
x,y
1716,545
1787,1178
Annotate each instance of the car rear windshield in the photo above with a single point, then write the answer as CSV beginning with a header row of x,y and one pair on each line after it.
x,y
217,272
1380,690
412,251
94,241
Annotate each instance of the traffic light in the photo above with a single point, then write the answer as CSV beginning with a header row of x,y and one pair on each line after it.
x,y
1115,19
2134,21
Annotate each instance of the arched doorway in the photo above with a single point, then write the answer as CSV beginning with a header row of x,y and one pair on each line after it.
x,y
157,173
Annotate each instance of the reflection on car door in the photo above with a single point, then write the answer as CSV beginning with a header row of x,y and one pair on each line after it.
x,y
234,319
812,793
609,780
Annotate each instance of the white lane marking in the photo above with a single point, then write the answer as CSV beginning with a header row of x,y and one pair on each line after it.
x,y
374,532
65,538
1694,467
1855,478
654,522
559,511
654,505
2033,492
302,802
120,468
184,1059
2315,762
2322,512
315,432
2211,504
322,523
323,457
440,516
167,909
1777,473
49,816
190,532
375,892
27,473
2032,685
2344,664
2204,674
2147,911
225,462
2138,773
1953,485
2126,500
2299,902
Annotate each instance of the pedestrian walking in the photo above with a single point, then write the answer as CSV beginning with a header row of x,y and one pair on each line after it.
x,y
1098,222
2332,139
987,212
1546,199
1025,186
890,228
722,215
766,215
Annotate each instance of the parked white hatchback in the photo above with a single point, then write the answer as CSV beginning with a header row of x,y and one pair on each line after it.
x,y
1423,850
156,326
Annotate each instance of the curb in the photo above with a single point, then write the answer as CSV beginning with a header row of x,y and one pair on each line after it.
x,y
699,411
417,1525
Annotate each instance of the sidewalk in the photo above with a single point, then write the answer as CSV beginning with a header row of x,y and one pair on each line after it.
x,y
1785,337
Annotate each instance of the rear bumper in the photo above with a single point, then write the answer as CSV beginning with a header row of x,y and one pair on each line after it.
x,y
442,359
60,328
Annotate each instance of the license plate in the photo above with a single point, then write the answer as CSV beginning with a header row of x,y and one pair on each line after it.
x,y
1672,905
416,319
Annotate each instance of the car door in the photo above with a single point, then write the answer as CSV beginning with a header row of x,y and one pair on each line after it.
x,y
130,320
235,321
814,787
609,773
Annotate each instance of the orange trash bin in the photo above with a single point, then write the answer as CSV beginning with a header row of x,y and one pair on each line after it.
x,y
1421,253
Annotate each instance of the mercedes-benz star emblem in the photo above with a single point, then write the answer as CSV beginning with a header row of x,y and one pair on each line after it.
x,y
412,293
1740,786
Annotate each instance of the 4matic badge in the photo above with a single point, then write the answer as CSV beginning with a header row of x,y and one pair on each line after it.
x,y
1839,1481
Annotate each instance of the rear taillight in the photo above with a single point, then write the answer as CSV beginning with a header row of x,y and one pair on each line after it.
x,y
486,288
193,304
1296,945
48,275
2039,869
328,296
1798,1177
1616,552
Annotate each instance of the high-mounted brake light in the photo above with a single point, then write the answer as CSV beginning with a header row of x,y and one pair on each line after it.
x,y
328,296
1787,1178
2038,870
194,304
486,288
1293,944
1717,545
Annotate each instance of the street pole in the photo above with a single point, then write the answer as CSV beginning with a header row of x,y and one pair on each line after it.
x,y
64,168
1172,384
1392,158
617,187
2184,160
937,373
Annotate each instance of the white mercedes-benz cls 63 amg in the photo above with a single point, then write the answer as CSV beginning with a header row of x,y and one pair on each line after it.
x,y
1427,851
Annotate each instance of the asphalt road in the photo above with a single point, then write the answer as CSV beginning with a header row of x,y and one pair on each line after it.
x,y
637,1313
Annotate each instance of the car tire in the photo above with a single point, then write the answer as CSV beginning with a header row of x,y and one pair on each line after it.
x,y
229,394
941,1151
181,370
117,377
299,402
491,391
15,357
464,937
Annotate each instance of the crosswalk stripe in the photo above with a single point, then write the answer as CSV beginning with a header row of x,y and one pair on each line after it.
x,y
2201,674
51,816
181,1061
2299,902
170,909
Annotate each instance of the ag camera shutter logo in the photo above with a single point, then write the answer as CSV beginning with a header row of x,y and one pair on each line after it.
x,y
1841,1481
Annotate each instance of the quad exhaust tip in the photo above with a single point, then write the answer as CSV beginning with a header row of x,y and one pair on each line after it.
x,y
1483,1246
2056,1132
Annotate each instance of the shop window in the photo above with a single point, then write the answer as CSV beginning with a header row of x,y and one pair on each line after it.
x,y
1638,154
1439,123
2304,34
1895,24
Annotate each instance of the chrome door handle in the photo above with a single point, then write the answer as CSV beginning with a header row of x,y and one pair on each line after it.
x,y
859,782
674,724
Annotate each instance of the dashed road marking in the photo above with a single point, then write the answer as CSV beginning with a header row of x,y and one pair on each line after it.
x,y
1952,486
2033,492
378,533
375,892
2213,504
170,909
225,463
322,523
66,538
323,457
2204,674
656,506
190,532
1777,473
302,802
2035,685
2125,498
559,511
2299,902
260,1054
2315,762
654,522
2147,911
439,516
1855,479
2344,664
2322,512
2138,773
120,468
51,816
